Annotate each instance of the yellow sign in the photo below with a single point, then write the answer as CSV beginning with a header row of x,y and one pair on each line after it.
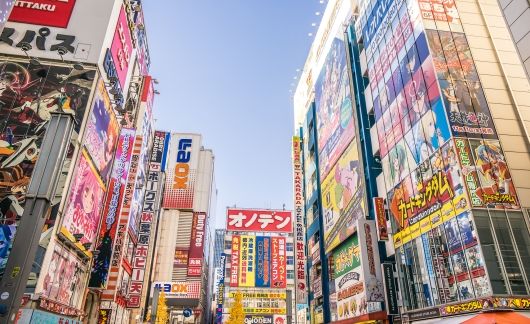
x,y
247,262
264,311
265,295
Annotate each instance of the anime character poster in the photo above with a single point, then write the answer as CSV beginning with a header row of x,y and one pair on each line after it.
x,y
64,277
29,94
7,235
84,202
487,163
101,132
334,109
342,198
398,164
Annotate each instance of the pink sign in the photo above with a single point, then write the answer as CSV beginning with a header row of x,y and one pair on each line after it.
x,y
121,48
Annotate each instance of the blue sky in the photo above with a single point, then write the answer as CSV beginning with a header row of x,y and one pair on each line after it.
x,y
225,70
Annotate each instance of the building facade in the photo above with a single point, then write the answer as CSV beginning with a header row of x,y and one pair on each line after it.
x,y
183,253
438,98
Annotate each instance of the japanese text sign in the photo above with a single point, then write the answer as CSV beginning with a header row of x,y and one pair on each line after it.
x,y
122,47
234,261
278,263
196,252
252,220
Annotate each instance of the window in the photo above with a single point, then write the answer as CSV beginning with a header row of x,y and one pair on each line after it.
x,y
290,247
290,259
290,274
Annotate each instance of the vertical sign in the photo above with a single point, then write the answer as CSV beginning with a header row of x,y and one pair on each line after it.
x,y
141,252
263,269
221,291
278,263
234,261
390,289
247,263
196,252
159,152
380,217
111,210
121,48
300,253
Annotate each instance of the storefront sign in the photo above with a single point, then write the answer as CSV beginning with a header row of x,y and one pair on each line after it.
x,y
196,252
179,290
392,307
53,13
221,290
300,242
234,261
263,262
159,152
252,220
261,295
278,263
181,258
271,311
258,319
380,216
122,47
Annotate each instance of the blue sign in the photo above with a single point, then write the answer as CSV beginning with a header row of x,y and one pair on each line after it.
x,y
187,312
263,252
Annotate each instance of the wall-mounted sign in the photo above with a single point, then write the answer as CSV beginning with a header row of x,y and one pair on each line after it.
x,y
55,13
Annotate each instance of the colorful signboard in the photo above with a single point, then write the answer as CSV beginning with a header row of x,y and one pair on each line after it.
x,y
271,311
247,264
35,316
179,289
112,209
122,47
159,152
141,252
102,131
263,262
299,232
181,258
234,261
342,198
258,319
380,217
334,109
81,217
196,252
221,290
347,256
53,13
259,220
183,160
263,295
278,263
439,10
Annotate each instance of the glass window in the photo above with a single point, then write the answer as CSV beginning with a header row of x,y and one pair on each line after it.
x,y
522,237
290,274
290,260
289,246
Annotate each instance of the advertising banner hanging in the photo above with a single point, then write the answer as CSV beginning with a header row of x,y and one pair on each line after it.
x,y
342,198
221,290
278,263
159,152
83,207
196,252
263,262
183,160
179,289
234,261
373,279
299,233
112,209
247,261
380,217
259,220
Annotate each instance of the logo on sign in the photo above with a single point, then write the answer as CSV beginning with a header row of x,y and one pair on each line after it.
x,y
53,13
182,168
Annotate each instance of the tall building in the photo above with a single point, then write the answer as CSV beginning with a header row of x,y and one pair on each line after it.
x,y
90,59
182,268
258,262
425,104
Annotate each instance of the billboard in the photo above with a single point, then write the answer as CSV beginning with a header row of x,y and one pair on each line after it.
x,y
221,290
181,173
347,256
299,233
76,27
259,220
54,13
258,319
278,263
380,217
247,263
334,109
181,258
342,198
159,152
234,261
179,289
122,47
112,209
263,261
487,176
196,251
83,205
101,131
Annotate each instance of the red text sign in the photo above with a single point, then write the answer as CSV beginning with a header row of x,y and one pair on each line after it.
x,y
53,13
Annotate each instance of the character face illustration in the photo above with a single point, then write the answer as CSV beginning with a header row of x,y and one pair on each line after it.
x,y
88,199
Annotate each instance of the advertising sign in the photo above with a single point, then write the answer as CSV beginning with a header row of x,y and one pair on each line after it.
x,y
112,209
259,220
141,252
263,262
380,217
335,123
221,290
183,160
280,319
159,152
271,311
487,176
392,307
83,206
247,263
439,10
262,295
101,133
278,263
179,289
181,258
122,47
196,252
258,319
347,256
54,13
373,279
342,198
49,25
300,243
234,261
35,316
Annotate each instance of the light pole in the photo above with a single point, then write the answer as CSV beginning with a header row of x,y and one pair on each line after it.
x,y
38,200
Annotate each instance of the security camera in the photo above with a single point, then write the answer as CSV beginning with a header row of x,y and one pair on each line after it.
x,y
25,46
62,50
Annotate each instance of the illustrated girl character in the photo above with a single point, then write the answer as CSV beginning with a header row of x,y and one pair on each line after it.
x,y
397,160
347,179
453,168
427,137
419,105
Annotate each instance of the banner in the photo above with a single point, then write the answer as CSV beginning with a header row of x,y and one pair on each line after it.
x,y
278,263
234,261
247,261
221,290
300,242
392,307
380,217
112,209
181,258
263,262
196,252
159,152
262,295
259,220
178,289
83,207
